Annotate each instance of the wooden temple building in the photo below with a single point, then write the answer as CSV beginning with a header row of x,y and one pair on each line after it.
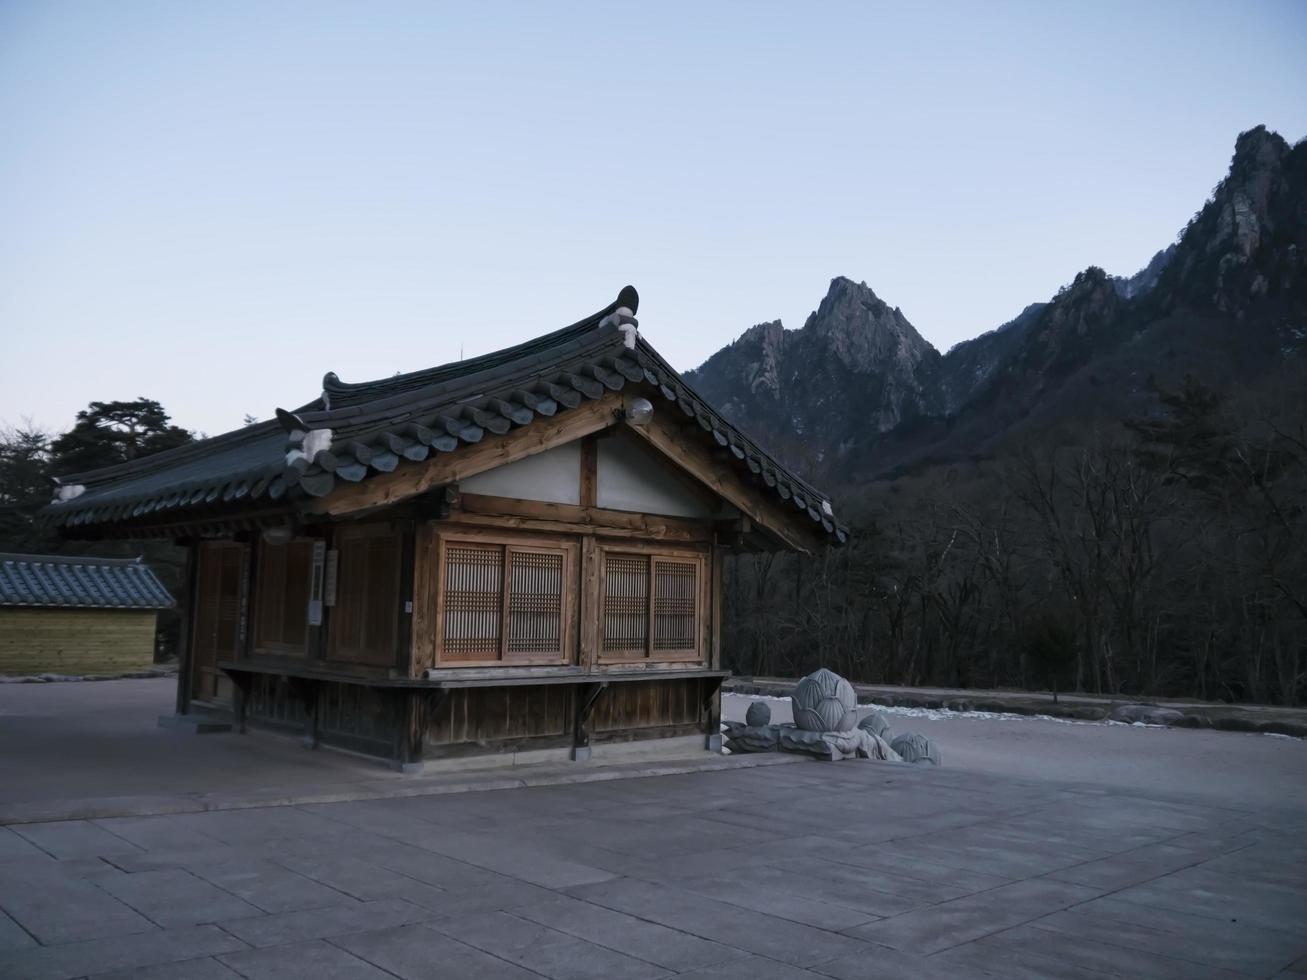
x,y
518,553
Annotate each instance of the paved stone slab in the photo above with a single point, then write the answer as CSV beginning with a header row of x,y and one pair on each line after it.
x,y
515,859
1197,939
336,920
885,867
975,960
302,961
421,953
12,935
115,953
1005,859
751,968
1225,895
1040,945
883,963
267,886
14,846
74,839
174,897
503,894
1130,868
789,896
766,935
58,908
962,920
669,948
205,969
351,875
880,891
156,833
544,950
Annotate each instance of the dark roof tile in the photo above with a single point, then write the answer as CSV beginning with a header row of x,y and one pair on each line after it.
x,y
72,582
376,426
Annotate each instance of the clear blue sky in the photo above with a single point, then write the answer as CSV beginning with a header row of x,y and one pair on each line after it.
x,y
213,203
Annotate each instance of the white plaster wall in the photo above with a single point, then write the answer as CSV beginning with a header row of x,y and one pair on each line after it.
x,y
553,476
634,477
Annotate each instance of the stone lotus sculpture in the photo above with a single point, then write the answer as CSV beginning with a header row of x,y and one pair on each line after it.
x,y
876,723
916,748
824,702
756,734
825,725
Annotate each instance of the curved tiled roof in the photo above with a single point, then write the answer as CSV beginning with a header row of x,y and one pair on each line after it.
x,y
87,583
354,431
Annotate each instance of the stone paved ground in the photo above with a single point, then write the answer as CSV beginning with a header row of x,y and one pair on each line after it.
x,y
847,871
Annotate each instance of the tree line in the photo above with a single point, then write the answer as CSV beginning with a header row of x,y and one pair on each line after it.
x,y
1164,557
103,434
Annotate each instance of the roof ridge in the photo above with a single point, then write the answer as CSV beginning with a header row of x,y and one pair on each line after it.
x,y
154,461
16,557
437,374
454,387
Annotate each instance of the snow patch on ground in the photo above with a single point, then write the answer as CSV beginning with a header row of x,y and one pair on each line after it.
x,y
945,714
939,714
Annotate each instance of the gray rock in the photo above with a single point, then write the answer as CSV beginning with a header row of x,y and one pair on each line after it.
x,y
758,715
834,746
876,723
916,748
742,737
1146,713
824,702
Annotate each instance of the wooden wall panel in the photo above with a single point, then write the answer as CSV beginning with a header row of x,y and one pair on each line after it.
x,y
75,641
216,616
356,717
362,626
647,704
281,597
272,701
503,714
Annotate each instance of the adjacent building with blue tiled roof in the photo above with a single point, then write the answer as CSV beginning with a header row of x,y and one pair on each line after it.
x,y
64,614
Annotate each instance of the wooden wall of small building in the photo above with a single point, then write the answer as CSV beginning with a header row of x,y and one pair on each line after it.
x,y
542,715
75,641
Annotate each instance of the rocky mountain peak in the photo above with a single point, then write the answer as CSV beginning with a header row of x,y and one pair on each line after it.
x,y
857,391
1245,195
1091,299
1247,242
864,332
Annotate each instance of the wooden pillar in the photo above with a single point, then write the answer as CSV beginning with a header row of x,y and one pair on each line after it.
x,y
587,696
412,712
406,663
715,607
186,602
590,604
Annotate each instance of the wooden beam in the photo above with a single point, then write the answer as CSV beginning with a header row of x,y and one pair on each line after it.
x,y
538,515
589,472
408,481
683,448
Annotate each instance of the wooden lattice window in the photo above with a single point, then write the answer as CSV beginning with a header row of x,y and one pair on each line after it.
x,y
651,607
503,602
626,606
